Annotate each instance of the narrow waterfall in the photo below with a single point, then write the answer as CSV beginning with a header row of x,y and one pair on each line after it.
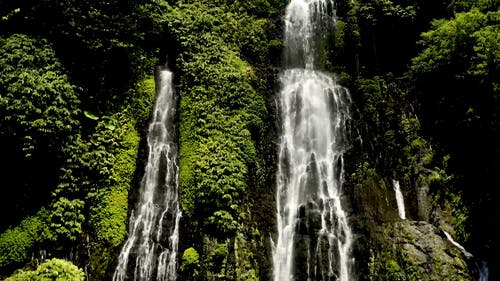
x,y
150,252
484,272
314,239
399,199
464,251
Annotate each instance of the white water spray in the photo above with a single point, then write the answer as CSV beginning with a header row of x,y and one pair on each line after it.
x,y
314,239
464,251
399,199
150,252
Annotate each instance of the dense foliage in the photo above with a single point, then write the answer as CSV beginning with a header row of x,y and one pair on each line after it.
x,y
427,110
457,76
217,97
222,113
77,87
41,111
71,151
53,269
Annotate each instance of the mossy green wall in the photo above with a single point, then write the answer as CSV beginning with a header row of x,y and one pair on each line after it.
x,y
222,108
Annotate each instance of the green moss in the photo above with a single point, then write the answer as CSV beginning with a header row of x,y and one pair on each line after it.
x,y
372,195
16,243
143,99
392,266
101,260
109,212
119,135
220,111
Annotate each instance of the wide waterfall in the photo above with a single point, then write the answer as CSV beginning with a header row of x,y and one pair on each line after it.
x,y
150,252
314,239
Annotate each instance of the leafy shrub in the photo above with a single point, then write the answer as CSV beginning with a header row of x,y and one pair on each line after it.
x,y
66,219
39,104
53,269
190,262
220,111
17,242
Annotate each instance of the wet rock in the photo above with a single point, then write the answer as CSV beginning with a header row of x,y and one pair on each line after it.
x,y
417,248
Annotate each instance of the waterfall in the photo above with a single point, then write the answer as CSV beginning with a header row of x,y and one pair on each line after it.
x,y
314,239
399,199
150,252
484,272
465,252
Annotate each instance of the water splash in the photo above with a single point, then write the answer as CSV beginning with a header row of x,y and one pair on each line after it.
x,y
150,252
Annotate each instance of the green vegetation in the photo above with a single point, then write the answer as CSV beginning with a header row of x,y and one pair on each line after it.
x,y
460,58
190,262
16,243
77,88
78,144
65,220
222,109
387,266
53,269
427,114
39,103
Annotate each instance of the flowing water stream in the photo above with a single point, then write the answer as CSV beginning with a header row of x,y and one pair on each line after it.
x,y
456,244
484,272
150,252
314,238
399,199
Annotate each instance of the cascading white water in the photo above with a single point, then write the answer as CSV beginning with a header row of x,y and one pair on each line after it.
x,y
314,239
456,244
399,199
150,252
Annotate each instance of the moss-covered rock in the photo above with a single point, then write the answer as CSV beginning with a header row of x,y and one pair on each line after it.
x,y
373,198
409,250
221,122
412,249
121,135
16,243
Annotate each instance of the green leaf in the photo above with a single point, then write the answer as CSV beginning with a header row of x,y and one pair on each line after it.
x,y
90,115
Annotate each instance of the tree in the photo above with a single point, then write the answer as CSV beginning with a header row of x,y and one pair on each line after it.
x,y
39,104
457,73
457,77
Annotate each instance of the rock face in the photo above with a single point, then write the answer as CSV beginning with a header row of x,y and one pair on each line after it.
x,y
396,249
416,250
